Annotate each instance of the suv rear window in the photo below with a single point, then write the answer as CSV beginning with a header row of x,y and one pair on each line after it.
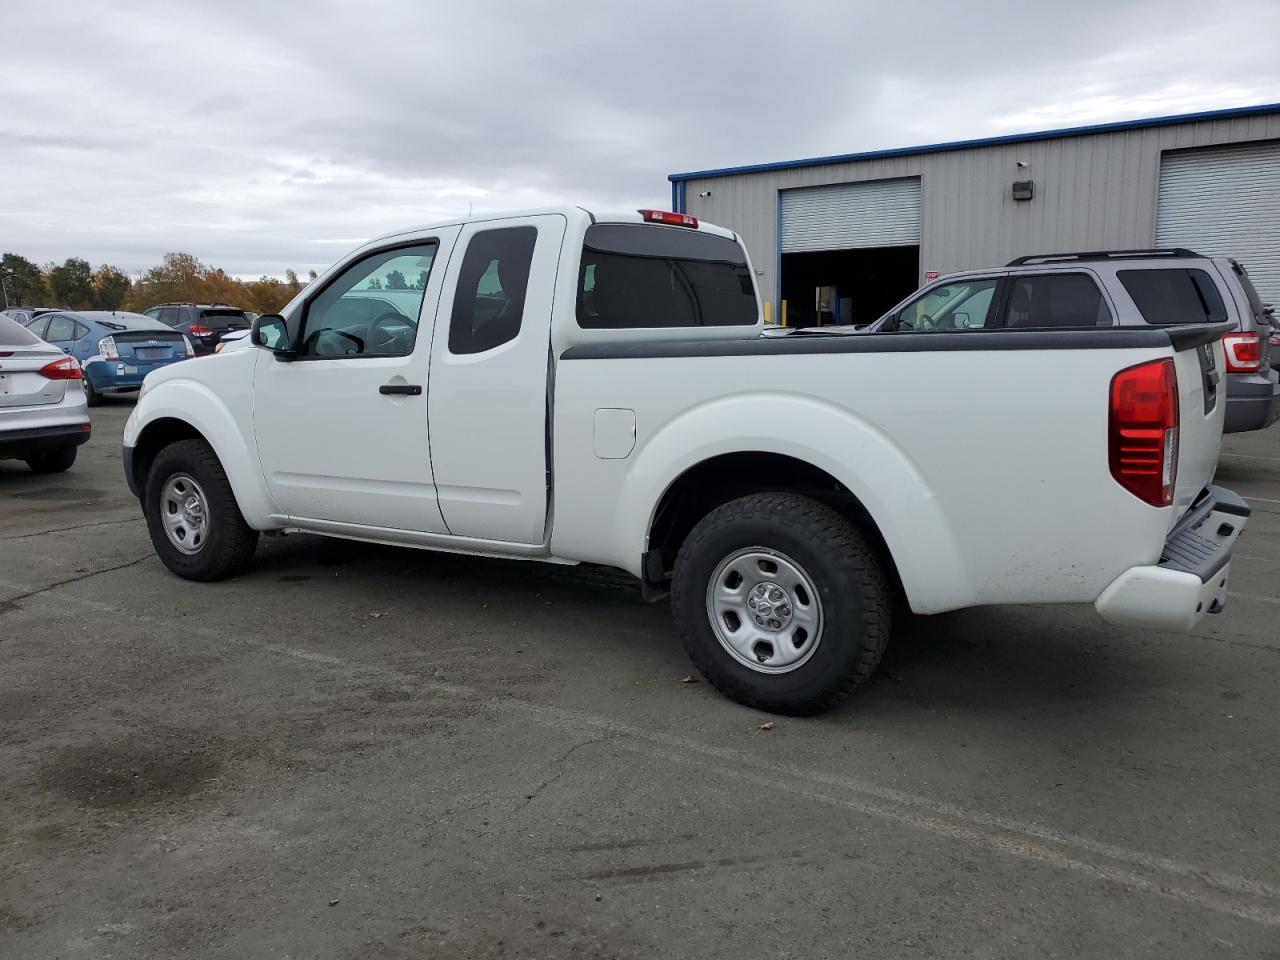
x,y
1174,295
223,318
639,275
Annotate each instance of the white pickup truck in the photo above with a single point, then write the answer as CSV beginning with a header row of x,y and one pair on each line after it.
x,y
570,387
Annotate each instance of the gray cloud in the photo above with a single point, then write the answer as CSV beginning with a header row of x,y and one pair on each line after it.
x,y
261,136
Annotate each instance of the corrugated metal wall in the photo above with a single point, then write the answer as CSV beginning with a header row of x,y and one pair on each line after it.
x,y
873,213
1225,201
1092,191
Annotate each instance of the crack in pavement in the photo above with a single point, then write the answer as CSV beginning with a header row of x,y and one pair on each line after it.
x,y
537,791
10,603
78,526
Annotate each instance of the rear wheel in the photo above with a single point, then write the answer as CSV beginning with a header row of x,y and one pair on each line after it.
x,y
53,461
192,516
91,396
782,603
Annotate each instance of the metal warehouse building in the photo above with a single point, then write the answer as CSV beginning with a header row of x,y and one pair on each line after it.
x,y
842,239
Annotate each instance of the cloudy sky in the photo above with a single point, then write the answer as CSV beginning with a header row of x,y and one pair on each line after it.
x,y
266,135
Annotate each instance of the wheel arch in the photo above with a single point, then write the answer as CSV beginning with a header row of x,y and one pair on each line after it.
x,y
826,451
184,410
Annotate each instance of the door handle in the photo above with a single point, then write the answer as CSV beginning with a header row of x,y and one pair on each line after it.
x,y
401,389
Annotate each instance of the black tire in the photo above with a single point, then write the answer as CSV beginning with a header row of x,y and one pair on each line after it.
x,y
91,396
230,542
848,577
53,461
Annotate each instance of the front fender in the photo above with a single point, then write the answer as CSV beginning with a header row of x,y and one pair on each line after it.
x,y
192,402
865,460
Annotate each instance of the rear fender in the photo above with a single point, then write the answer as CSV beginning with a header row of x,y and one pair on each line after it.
x,y
866,461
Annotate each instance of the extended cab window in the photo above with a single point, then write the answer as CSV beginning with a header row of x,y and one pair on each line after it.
x,y
1174,296
640,275
1056,300
489,302
962,305
370,309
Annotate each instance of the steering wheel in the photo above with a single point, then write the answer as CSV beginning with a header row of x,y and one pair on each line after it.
x,y
377,323
312,345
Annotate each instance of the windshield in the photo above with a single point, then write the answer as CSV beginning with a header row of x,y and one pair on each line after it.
x,y
961,305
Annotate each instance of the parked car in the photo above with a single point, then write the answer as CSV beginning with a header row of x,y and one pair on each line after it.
x,y
203,323
25,315
116,350
43,416
1126,288
601,389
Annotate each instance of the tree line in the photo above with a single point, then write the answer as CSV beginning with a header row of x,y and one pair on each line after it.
x,y
181,277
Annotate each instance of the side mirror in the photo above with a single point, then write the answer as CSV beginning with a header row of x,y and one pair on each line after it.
x,y
271,331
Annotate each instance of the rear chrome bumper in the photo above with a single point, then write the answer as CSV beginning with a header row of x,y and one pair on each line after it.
x,y
1191,577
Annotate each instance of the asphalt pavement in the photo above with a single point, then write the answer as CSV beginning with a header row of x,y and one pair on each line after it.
x,y
355,751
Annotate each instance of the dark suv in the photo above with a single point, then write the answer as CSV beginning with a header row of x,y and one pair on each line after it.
x,y
203,323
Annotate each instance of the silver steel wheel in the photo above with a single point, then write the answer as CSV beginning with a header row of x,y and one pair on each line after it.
x,y
765,610
184,511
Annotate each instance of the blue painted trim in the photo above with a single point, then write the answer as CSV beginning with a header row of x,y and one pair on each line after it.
x,y
777,256
675,186
1234,113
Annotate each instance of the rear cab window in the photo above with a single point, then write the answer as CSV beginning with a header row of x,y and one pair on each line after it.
x,y
1174,295
638,276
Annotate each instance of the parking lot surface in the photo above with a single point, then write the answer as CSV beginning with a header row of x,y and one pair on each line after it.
x,y
357,751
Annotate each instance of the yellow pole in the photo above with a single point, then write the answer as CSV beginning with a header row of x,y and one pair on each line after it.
x,y
768,313
784,313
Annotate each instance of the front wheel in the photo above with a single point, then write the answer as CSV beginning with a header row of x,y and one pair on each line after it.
x,y
192,516
782,603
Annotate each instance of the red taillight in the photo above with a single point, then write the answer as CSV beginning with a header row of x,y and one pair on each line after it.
x,y
65,368
1143,432
669,218
199,331
1244,352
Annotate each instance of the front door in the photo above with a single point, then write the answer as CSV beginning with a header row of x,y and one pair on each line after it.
x,y
341,428
489,379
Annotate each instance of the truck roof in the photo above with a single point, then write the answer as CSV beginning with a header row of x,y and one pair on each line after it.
x,y
567,211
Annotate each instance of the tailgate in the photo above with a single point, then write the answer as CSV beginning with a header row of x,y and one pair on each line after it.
x,y
1202,395
150,346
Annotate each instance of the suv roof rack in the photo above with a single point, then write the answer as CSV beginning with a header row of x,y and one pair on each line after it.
x,y
1173,253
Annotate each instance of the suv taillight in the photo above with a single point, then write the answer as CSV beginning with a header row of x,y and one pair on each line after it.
x,y
1143,431
65,368
107,347
1244,352
196,330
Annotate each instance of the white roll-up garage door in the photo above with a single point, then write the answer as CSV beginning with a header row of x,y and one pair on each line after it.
x,y
843,216
1225,201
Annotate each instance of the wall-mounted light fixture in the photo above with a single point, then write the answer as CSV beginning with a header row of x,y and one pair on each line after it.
x,y
1024,189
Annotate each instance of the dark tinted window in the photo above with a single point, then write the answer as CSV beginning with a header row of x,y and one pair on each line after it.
x,y
371,308
492,283
1056,300
636,275
1174,296
169,315
224,318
